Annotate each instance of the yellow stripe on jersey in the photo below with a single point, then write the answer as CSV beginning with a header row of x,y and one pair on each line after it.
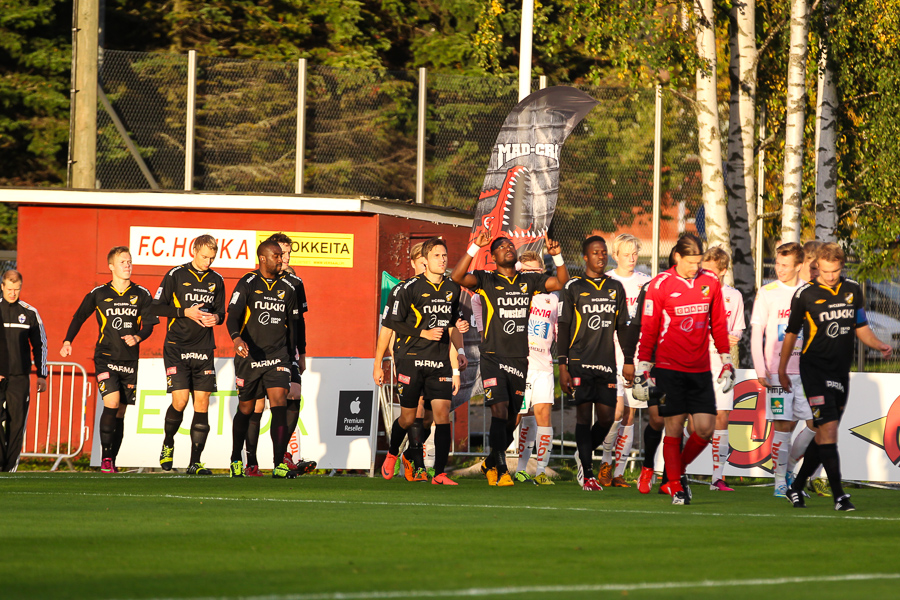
x,y
246,319
834,292
199,278
598,287
513,280
437,287
122,293
812,331
177,305
577,326
102,325
489,310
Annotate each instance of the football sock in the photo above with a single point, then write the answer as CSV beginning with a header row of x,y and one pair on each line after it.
x,y
598,433
799,447
544,444
397,436
199,432
585,448
415,433
499,443
279,433
238,434
253,439
120,435
811,462
293,416
719,454
831,460
171,425
441,447
672,456
107,431
692,449
527,434
429,447
781,450
609,442
652,438
624,443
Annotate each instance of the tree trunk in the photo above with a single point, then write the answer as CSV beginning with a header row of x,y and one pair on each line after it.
x,y
708,133
739,172
796,114
826,133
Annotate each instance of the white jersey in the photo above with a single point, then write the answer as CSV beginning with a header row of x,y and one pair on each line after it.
x,y
734,318
632,284
542,326
771,311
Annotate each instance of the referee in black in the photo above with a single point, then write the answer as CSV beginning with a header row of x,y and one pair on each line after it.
x,y
262,322
25,338
506,295
830,311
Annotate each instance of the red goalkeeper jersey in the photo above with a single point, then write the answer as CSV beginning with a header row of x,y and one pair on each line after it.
x,y
678,316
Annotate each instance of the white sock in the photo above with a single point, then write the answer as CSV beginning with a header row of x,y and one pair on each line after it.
x,y
719,453
544,444
527,433
623,448
781,450
610,441
798,448
428,447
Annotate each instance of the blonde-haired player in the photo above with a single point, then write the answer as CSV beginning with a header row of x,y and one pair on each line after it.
x,y
717,261
620,439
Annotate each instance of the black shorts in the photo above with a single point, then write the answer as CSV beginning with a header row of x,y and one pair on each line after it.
x,y
826,392
504,380
591,386
189,369
685,393
252,381
430,379
117,376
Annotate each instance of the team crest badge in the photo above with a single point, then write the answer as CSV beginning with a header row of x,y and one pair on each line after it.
x,y
849,298
133,300
449,296
523,287
281,294
22,319
612,294
704,290
212,288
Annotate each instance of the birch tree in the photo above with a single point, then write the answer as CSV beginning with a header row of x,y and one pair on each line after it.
x,y
708,134
826,131
795,105
739,172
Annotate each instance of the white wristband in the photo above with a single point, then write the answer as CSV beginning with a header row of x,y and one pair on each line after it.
x,y
460,350
558,260
456,372
473,250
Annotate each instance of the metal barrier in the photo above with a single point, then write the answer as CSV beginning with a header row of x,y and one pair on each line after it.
x,y
49,431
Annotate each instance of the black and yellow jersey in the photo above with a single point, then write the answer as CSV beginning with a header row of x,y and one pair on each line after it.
x,y
418,305
828,318
118,314
505,310
302,307
264,313
593,311
184,287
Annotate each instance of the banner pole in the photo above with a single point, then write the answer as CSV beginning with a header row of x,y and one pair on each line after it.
x,y
657,167
420,135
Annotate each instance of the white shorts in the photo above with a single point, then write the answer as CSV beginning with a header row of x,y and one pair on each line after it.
x,y
539,388
782,405
622,391
724,401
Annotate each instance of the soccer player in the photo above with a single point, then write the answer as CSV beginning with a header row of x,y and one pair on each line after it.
x,y
682,306
831,313
506,295
593,309
768,323
716,260
539,384
24,331
620,438
125,319
298,366
262,323
423,312
192,298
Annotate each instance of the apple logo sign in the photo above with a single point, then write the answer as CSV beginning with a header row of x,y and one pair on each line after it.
x,y
354,406
354,416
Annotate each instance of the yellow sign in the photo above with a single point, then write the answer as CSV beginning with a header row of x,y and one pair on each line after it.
x,y
317,249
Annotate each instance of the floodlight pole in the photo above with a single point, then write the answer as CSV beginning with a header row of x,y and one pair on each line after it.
x,y
525,49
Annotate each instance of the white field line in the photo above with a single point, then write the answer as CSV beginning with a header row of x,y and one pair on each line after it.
x,y
682,511
560,589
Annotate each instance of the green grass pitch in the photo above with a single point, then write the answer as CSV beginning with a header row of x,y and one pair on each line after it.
x,y
86,535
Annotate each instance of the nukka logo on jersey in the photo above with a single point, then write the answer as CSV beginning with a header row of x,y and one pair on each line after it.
x,y
443,309
125,312
691,309
513,301
597,309
429,364
262,305
194,297
258,364
831,315
194,355
512,370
